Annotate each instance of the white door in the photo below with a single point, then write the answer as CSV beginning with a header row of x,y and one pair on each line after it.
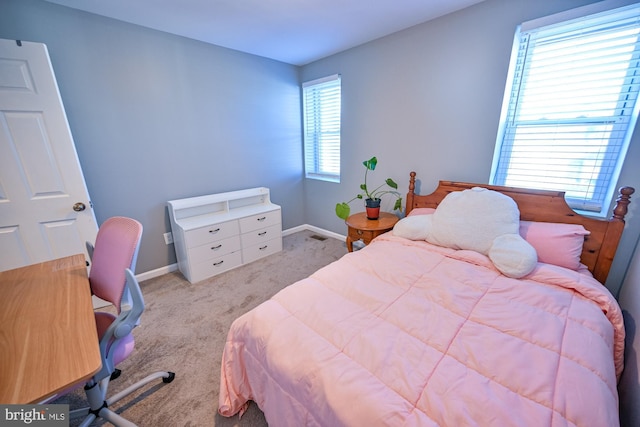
x,y
45,209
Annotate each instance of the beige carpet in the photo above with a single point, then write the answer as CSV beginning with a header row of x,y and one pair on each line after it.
x,y
184,327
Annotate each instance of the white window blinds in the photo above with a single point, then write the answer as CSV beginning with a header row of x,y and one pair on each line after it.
x,y
321,117
571,108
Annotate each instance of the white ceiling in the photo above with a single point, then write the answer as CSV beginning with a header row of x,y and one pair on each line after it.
x,y
293,31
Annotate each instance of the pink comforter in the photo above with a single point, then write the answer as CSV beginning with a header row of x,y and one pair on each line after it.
x,y
404,333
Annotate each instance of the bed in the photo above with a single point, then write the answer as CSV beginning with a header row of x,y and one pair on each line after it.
x,y
407,333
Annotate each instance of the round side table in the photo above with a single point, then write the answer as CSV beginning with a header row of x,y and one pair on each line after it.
x,y
361,228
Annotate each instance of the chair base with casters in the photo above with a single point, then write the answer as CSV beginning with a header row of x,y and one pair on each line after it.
x,y
99,406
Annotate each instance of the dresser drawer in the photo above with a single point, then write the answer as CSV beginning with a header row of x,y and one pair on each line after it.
x,y
214,249
215,266
211,233
254,252
255,222
261,235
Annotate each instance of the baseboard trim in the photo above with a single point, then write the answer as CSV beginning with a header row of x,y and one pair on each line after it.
x,y
157,272
174,267
314,229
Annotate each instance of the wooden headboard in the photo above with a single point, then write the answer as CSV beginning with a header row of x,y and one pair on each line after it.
x,y
548,206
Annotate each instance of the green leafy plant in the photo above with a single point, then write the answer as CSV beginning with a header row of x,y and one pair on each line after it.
x,y
343,209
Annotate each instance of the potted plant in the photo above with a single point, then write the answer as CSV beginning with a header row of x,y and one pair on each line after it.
x,y
372,198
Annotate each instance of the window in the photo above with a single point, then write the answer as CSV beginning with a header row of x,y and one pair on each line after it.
x,y
321,115
570,106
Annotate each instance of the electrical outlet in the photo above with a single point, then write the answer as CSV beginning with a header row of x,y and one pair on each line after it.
x,y
168,238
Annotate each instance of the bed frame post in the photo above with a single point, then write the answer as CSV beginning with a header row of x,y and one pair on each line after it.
x,y
622,203
612,235
411,193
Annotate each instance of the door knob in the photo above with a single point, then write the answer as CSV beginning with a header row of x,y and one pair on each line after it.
x,y
79,207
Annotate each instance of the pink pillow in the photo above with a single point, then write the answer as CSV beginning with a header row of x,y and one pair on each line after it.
x,y
558,244
421,211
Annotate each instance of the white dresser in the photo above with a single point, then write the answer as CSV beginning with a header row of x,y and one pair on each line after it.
x,y
218,232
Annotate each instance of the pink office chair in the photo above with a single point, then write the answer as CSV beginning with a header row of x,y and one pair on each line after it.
x,y
112,279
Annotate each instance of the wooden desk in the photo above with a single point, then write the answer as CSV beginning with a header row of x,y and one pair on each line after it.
x,y
48,338
361,228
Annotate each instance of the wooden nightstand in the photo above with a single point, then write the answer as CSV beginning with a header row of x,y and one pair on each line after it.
x,y
361,228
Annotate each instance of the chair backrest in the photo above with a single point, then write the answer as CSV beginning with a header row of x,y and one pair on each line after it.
x,y
115,250
112,279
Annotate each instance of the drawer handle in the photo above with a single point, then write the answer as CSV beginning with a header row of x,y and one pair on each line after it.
x,y
262,219
359,232
218,263
262,234
263,248
214,231
215,248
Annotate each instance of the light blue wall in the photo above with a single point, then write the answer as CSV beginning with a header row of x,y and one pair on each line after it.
x,y
629,385
428,99
157,117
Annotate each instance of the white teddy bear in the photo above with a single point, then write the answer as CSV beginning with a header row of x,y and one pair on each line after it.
x,y
478,219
